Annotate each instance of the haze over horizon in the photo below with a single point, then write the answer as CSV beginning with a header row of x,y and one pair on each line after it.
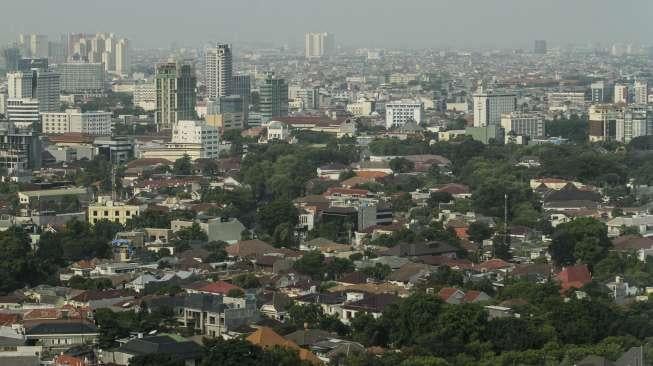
x,y
363,23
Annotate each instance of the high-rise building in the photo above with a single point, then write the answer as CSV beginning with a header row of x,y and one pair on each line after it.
x,y
56,52
23,113
226,114
20,84
33,45
319,44
31,63
175,94
602,122
489,106
122,60
599,93
73,120
81,78
621,93
273,94
218,71
12,58
634,122
46,90
104,48
540,47
398,113
309,97
523,124
641,92
20,149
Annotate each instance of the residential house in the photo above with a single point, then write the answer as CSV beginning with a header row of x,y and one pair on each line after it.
x,y
331,171
59,335
177,347
266,338
643,246
97,299
371,304
642,223
574,277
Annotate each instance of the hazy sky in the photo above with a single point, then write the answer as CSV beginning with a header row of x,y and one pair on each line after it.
x,y
391,23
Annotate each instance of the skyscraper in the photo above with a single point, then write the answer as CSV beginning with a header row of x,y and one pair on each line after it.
x,y
81,78
489,106
319,44
621,93
218,71
598,92
19,84
122,56
12,57
33,45
273,97
175,94
46,90
641,92
540,47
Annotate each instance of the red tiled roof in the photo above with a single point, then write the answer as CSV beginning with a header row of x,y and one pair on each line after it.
x,y
494,264
471,296
454,188
65,360
100,295
371,174
219,287
9,319
42,314
574,277
446,292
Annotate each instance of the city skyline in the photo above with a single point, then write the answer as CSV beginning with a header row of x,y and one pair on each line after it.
x,y
409,24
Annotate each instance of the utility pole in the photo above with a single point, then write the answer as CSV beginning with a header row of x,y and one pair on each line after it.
x,y
505,219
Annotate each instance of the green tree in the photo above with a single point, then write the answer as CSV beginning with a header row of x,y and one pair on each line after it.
x,y
584,239
479,231
311,264
401,165
275,213
183,166
247,280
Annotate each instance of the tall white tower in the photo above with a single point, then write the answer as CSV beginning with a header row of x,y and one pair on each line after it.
x,y
218,71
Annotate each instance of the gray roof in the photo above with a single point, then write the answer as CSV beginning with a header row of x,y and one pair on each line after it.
x,y
184,350
48,328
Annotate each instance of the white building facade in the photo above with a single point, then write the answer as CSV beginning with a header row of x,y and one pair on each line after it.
x,y
73,120
523,124
197,133
397,113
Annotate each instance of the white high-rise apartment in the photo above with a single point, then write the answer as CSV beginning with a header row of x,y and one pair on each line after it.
x,y
523,124
73,120
33,45
198,133
218,71
19,85
319,44
397,113
621,93
122,56
489,106
641,92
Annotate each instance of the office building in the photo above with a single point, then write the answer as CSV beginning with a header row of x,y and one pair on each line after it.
x,y
47,86
641,92
273,93
20,149
602,122
145,96
242,85
56,52
20,84
566,101
23,113
175,94
107,209
73,120
397,113
198,133
599,92
40,84
308,98
540,47
633,122
3,104
621,93
523,124
32,63
362,107
81,78
319,44
489,106
218,71
226,114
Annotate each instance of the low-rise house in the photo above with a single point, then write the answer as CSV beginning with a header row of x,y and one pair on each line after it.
x,y
451,295
330,302
96,299
178,348
574,277
210,315
267,338
214,288
371,304
331,171
14,349
411,274
59,335
224,229
642,223
275,307
455,189
642,246
421,249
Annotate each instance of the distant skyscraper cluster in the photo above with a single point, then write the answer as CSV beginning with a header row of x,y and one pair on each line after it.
x,y
319,44
105,48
